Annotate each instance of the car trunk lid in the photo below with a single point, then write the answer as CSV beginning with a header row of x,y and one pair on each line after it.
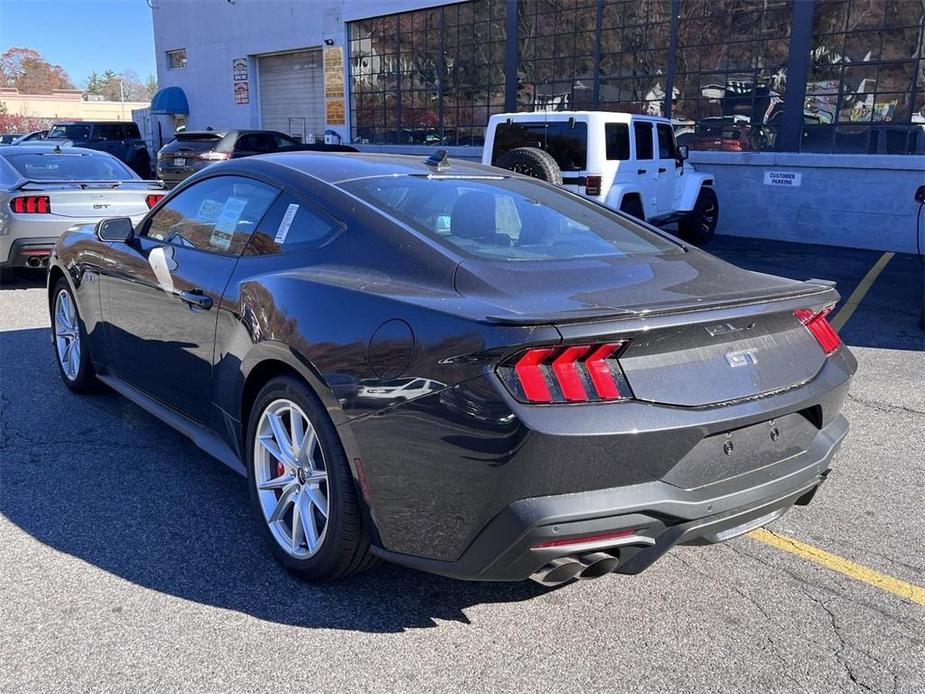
x,y
96,200
700,331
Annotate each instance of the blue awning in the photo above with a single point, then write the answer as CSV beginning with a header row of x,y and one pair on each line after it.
x,y
170,101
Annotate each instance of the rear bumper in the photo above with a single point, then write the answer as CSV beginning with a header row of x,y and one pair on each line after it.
x,y
660,516
28,252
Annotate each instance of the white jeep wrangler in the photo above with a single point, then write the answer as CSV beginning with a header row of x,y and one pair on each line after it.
x,y
625,161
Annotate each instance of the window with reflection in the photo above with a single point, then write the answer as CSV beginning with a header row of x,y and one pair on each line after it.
x,y
555,42
635,35
866,87
430,76
730,77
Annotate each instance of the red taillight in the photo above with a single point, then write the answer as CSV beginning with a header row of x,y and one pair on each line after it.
x,y
153,199
817,324
592,185
573,373
31,204
599,537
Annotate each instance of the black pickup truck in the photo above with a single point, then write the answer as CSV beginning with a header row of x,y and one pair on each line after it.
x,y
121,139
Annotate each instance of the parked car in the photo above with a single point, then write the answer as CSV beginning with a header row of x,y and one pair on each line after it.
x,y
9,138
629,392
628,162
730,135
34,136
121,139
44,191
193,150
396,390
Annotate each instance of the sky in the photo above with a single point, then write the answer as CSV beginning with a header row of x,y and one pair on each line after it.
x,y
82,35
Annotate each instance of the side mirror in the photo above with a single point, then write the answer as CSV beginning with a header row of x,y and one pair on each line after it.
x,y
684,152
115,229
920,195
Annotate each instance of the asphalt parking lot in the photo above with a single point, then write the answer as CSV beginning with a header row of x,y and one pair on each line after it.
x,y
130,563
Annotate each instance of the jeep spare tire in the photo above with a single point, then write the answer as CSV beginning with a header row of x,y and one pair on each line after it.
x,y
530,161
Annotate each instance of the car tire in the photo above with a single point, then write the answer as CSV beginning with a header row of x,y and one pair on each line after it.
x,y
699,226
633,207
69,338
532,162
289,489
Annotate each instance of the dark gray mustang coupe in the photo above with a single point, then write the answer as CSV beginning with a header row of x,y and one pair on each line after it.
x,y
455,368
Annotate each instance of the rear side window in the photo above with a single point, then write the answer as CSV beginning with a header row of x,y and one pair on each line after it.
x,y
618,141
643,133
666,145
107,131
131,130
252,142
217,215
79,131
510,219
566,142
290,224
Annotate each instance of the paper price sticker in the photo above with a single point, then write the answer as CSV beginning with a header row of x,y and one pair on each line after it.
x,y
283,231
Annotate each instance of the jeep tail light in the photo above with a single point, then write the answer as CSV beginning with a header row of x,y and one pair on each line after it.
x,y
31,204
570,373
153,199
592,185
819,326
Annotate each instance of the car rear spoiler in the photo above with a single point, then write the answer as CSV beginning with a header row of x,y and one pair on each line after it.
x,y
31,184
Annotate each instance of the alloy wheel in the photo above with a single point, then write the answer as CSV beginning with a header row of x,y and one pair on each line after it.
x,y
291,476
67,335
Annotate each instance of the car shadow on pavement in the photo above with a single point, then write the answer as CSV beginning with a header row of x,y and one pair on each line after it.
x,y
141,502
21,278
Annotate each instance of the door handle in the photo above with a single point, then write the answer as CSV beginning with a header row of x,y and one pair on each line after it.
x,y
661,170
195,297
640,171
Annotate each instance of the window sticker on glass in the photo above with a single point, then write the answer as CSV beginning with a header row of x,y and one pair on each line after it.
x,y
227,223
209,210
283,231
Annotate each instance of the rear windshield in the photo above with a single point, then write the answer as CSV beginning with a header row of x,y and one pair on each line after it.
x,y
192,143
566,141
69,167
80,131
508,218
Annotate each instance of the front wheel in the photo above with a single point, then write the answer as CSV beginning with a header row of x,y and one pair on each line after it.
x,y
300,485
70,339
699,225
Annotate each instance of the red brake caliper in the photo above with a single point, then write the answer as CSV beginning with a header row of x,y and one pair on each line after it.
x,y
280,469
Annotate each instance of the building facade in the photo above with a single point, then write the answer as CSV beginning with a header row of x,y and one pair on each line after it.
x,y
65,104
747,78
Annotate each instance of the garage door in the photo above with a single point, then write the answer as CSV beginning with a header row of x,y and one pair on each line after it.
x,y
292,94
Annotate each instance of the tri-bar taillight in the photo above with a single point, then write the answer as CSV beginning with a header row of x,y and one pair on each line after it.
x,y
816,322
31,204
568,373
153,199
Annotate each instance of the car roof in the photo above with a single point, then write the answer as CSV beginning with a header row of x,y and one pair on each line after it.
x,y
339,167
90,122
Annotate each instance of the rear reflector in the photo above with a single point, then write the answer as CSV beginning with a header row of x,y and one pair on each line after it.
x,y
584,539
153,199
820,327
31,204
592,185
571,373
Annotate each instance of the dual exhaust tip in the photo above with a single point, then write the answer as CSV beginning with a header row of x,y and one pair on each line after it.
x,y
583,567
36,261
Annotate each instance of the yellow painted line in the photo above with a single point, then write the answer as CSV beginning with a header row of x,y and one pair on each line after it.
x,y
909,591
846,311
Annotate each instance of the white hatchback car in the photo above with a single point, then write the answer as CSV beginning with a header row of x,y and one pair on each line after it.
x,y
626,161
